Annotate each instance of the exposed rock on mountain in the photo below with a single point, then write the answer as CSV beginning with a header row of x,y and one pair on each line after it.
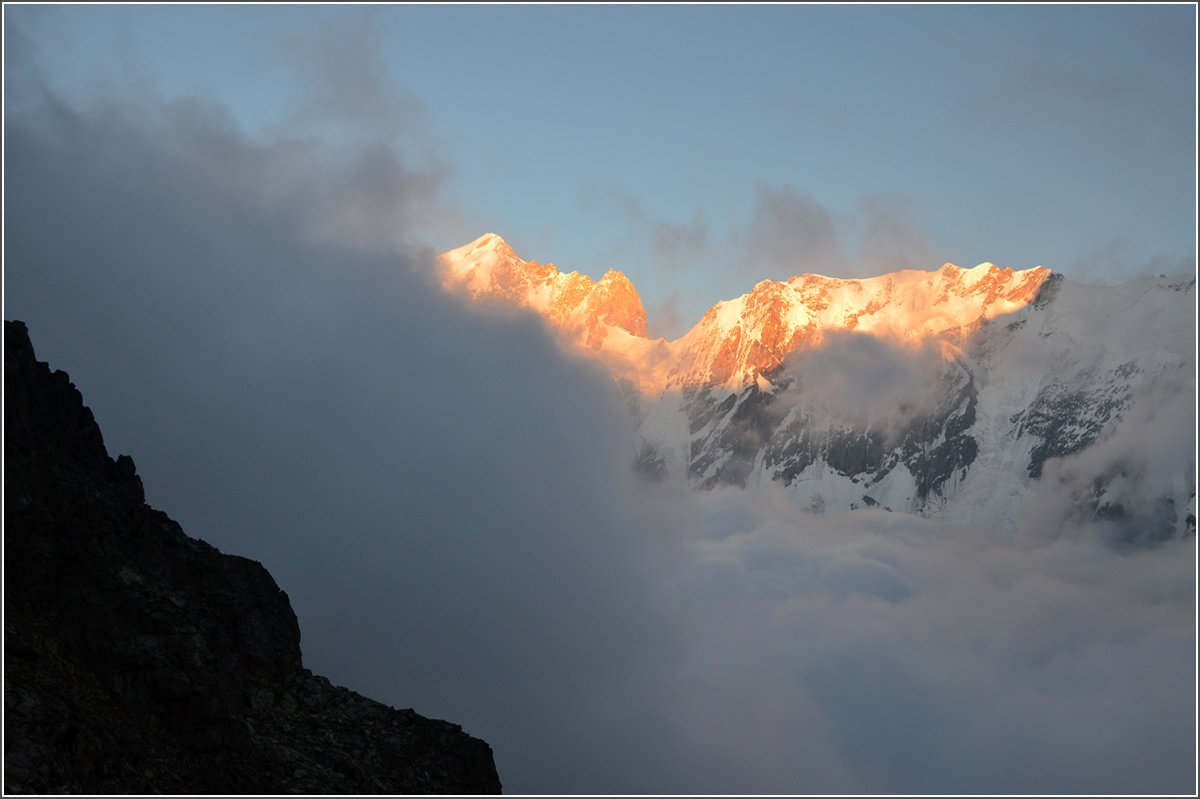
x,y
139,660
943,393
487,268
740,340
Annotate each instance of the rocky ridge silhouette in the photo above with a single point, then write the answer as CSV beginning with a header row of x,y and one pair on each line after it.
x,y
140,660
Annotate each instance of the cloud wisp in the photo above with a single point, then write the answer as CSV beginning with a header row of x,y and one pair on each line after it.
x,y
791,234
449,502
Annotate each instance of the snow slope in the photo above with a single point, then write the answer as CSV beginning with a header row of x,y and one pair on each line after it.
x,y
956,393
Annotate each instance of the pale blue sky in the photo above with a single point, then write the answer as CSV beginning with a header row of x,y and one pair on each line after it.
x,y
702,148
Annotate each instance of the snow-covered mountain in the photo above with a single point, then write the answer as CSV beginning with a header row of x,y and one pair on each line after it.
x,y
956,393
488,267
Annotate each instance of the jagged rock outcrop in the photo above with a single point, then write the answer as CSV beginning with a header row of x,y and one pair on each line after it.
x,y
140,660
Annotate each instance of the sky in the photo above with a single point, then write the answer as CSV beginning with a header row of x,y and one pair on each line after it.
x,y
703,148
221,222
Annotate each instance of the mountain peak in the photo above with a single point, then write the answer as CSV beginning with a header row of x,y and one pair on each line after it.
x,y
487,269
737,341
489,241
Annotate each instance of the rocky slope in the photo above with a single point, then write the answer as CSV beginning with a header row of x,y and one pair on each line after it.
x,y
1081,379
139,660
738,342
944,393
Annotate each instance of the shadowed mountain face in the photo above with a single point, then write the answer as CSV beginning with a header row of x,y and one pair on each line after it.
x,y
139,660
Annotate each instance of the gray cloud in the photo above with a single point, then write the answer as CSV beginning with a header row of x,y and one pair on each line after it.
x,y
448,502
668,319
675,250
863,382
615,201
891,239
1114,262
414,475
791,234
675,246
342,79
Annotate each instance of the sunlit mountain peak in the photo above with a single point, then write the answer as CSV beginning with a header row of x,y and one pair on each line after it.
x,y
583,310
740,341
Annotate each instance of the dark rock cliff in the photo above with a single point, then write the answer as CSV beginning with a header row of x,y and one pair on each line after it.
x,y
139,660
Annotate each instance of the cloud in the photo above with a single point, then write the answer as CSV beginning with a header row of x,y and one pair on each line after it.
x,y
891,239
1102,490
938,659
675,251
615,201
448,501
668,319
675,246
342,79
415,476
1114,262
864,382
791,234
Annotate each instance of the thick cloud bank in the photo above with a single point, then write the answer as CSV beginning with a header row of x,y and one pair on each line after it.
x,y
449,503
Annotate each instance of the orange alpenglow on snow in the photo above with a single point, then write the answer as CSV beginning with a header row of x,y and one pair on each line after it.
x,y
743,340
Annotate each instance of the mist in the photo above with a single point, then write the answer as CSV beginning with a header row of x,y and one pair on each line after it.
x,y
863,381
450,504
